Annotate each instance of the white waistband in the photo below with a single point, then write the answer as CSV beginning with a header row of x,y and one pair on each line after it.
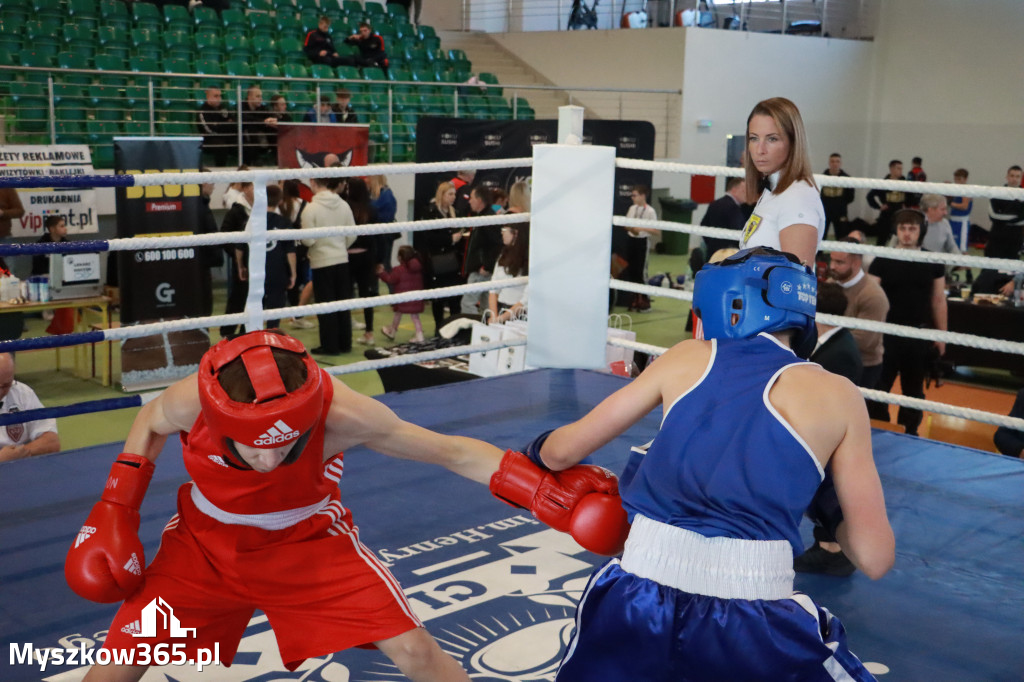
x,y
728,568
278,520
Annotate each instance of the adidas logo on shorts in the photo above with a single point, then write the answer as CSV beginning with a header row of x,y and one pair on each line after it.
x,y
278,433
132,628
84,534
217,459
133,566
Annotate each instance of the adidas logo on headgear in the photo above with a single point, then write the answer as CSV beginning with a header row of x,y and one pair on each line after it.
x,y
278,433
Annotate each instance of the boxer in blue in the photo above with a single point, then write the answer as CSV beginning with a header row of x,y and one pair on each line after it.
x,y
704,588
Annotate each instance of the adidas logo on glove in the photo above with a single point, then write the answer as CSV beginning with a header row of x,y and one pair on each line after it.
x,y
133,566
84,534
278,433
132,628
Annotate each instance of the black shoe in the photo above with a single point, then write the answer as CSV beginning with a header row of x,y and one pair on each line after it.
x,y
817,559
320,350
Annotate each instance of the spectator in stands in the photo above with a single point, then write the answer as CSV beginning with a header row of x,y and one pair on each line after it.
x,y
463,183
280,266
217,127
639,245
960,212
328,257
836,200
887,202
233,192
386,206
363,252
342,107
519,197
725,212
442,250
865,300
472,86
278,114
210,257
481,251
18,441
916,174
513,261
940,235
10,209
258,125
371,48
1009,441
500,199
1006,237
292,205
322,115
56,231
917,298
236,220
319,47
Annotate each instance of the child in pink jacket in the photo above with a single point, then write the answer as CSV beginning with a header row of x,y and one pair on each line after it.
x,y
407,276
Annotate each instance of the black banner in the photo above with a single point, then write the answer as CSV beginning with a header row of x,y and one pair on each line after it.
x,y
158,283
456,139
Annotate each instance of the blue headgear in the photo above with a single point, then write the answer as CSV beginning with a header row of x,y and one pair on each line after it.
x,y
764,289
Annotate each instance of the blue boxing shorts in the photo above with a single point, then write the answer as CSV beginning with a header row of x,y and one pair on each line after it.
x,y
636,627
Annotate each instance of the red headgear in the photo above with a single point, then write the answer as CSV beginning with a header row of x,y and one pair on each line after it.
x,y
276,417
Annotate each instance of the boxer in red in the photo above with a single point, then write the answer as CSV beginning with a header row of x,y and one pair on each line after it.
x,y
261,524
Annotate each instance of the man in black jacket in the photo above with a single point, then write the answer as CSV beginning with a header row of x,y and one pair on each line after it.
x,y
319,46
482,250
217,127
835,200
371,48
726,212
1006,238
887,202
235,220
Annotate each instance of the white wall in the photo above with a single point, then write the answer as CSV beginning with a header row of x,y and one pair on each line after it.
x,y
726,73
949,87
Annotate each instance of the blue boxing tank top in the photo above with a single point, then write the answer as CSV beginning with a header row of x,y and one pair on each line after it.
x,y
725,463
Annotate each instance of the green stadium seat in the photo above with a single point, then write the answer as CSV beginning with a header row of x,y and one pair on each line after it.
x,y
147,64
175,64
238,46
296,71
71,132
307,6
373,73
114,13
396,11
288,25
32,58
177,18
79,35
425,32
47,8
264,6
10,43
205,18
27,91
40,28
267,70
209,67
322,71
403,29
349,73
146,43
234,20
291,52
75,60
309,20
145,15
262,25
177,43
350,6
491,81
112,40
208,41
399,74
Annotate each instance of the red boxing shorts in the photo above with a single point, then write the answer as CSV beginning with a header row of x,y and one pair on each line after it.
x,y
322,590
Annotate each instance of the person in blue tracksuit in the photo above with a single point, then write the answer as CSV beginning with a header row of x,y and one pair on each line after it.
x,y
704,588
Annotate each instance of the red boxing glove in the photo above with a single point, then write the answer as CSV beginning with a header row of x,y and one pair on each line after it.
x,y
105,562
556,498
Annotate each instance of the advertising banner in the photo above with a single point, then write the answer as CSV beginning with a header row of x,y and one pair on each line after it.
x,y
159,284
76,206
313,145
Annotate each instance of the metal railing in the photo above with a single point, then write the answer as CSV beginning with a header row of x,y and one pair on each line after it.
x,y
90,106
835,18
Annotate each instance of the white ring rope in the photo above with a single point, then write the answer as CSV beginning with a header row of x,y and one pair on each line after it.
x,y
870,394
196,178
952,338
221,238
1002,264
914,187
426,356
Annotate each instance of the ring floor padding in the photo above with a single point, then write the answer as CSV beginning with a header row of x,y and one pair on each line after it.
x,y
499,590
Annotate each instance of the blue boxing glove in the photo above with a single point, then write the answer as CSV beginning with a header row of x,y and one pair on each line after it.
x,y
824,510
